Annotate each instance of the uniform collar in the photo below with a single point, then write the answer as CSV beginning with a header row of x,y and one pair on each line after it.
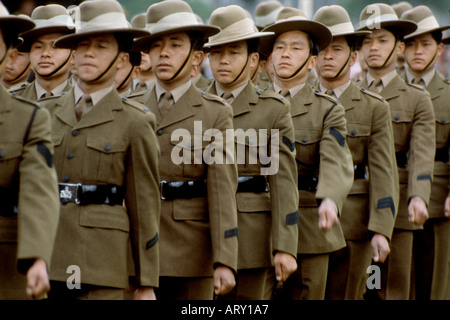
x,y
292,91
384,79
95,96
235,92
427,77
56,91
337,91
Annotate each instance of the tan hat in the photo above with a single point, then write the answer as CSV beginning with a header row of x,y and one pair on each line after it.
x,y
172,16
446,37
235,25
266,13
13,25
381,15
52,18
99,17
336,18
401,7
139,21
290,19
424,19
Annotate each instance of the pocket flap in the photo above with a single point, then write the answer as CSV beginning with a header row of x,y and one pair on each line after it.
x,y
10,150
358,129
249,139
307,136
57,138
253,202
105,216
106,144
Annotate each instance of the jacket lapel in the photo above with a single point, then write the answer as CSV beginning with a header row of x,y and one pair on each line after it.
x,y
241,104
301,101
392,89
350,96
436,87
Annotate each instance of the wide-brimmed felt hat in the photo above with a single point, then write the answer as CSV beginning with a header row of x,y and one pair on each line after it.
x,y
446,37
425,20
401,7
96,18
172,16
293,19
52,18
139,21
381,15
235,24
266,13
338,21
12,24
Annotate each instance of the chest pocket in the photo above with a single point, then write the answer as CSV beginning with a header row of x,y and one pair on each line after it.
x,y
358,136
442,130
104,158
187,155
251,151
402,122
9,161
307,146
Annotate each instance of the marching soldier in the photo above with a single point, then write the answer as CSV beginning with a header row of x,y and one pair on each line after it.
x,y
106,156
324,163
369,211
431,244
123,81
198,237
414,134
266,203
29,209
50,65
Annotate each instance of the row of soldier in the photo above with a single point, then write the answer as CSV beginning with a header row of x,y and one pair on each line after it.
x,y
88,177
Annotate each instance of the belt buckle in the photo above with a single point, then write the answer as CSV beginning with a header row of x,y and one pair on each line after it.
x,y
161,185
70,192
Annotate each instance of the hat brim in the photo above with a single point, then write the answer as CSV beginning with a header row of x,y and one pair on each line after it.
x,y
30,35
16,25
319,32
259,35
144,43
71,41
418,33
406,26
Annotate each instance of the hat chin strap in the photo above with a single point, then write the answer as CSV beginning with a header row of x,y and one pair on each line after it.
x,y
56,70
22,73
429,63
242,70
183,65
389,57
296,72
107,69
343,67
126,78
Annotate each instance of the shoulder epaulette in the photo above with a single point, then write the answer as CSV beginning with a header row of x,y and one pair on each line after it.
x,y
372,94
320,94
212,97
136,94
270,94
22,99
136,105
415,86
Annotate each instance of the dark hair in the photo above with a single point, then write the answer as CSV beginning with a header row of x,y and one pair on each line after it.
x,y
135,58
437,36
398,33
197,40
352,42
125,41
252,45
8,37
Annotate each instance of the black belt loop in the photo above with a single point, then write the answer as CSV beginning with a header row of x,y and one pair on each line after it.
x,y
255,184
402,159
183,189
442,155
90,194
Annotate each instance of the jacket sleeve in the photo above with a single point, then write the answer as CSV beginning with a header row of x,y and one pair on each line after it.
x,y
142,199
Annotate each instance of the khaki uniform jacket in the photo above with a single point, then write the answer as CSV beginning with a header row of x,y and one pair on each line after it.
x,y
413,123
29,91
28,176
202,83
197,234
439,90
372,204
113,144
267,221
321,151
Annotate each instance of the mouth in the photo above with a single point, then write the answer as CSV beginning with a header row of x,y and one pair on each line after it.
x,y
45,64
223,72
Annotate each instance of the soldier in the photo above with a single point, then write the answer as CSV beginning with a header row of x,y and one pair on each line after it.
x,y
414,134
369,211
431,246
106,155
266,203
29,209
50,65
198,238
324,163
123,81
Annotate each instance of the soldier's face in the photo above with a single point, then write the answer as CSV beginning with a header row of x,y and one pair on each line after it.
x,y
377,46
18,64
422,51
331,60
290,51
46,58
3,55
229,61
94,55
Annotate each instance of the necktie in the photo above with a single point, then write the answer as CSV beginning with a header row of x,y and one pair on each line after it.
x,y
46,95
374,85
83,106
286,94
165,103
419,82
330,93
227,95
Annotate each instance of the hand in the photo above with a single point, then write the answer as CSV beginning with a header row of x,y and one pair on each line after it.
x,y
417,211
224,280
285,265
447,207
380,248
144,293
38,283
327,214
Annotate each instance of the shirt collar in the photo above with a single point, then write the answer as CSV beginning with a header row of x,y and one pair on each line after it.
x,y
292,91
427,77
95,96
234,92
337,91
177,93
384,79
56,91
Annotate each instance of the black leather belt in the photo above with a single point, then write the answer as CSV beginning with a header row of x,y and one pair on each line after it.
x,y
254,184
8,201
183,189
402,159
307,182
90,194
360,171
441,155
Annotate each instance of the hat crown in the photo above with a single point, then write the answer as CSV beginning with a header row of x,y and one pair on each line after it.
x,y
290,13
401,7
331,15
266,12
380,11
226,16
139,21
418,14
101,15
52,15
425,20
3,10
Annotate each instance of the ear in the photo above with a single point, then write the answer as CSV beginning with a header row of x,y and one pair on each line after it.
x,y
312,62
197,58
401,47
122,60
262,65
136,72
440,49
254,60
353,57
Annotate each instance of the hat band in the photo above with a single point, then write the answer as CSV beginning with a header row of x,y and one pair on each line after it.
x,y
372,22
174,20
56,21
267,19
236,30
428,23
111,20
340,28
